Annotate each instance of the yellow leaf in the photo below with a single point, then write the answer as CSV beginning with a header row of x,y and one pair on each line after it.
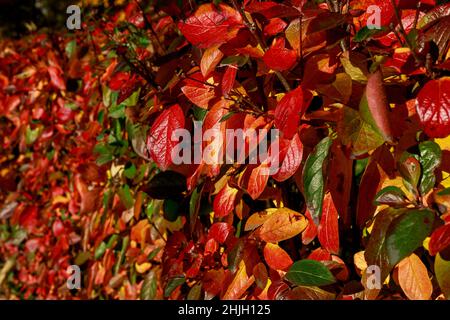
x,y
143,267
444,143
241,282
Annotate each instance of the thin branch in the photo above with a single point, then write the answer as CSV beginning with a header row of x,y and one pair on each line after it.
x,y
252,28
405,36
150,27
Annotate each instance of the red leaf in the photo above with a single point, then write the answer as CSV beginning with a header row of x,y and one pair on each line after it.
x,y
29,218
258,180
261,276
219,231
277,290
291,159
56,78
224,201
211,246
58,228
328,231
271,9
88,198
276,257
118,80
228,79
159,140
278,57
137,20
213,281
275,26
211,57
289,111
310,232
197,91
378,105
433,107
440,239
211,25
320,254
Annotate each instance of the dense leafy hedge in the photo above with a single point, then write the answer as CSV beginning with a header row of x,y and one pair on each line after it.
x,y
361,198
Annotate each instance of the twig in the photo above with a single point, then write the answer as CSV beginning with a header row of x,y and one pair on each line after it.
x,y
150,27
252,28
157,230
416,17
405,36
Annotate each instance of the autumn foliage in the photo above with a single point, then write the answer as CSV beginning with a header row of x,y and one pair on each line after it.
x,y
359,208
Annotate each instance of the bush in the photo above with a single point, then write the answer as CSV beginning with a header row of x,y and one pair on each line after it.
x,y
358,208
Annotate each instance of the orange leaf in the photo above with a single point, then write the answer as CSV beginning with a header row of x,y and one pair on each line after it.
x,y
328,231
258,180
413,278
276,257
224,201
282,224
240,283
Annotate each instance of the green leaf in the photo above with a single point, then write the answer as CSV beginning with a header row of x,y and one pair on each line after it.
x,y
32,134
444,192
126,197
82,257
130,170
194,206
132,100
430,159
236,254
357,133
71,48
153,254
171,209
376,252
149,287
100,251
227,116
195,293
105,153
392,195
355,67
125,243
310,273
71,105
313,180
117,111
238,61
407,233
199,113
412,37
173,284
365,33
395,235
